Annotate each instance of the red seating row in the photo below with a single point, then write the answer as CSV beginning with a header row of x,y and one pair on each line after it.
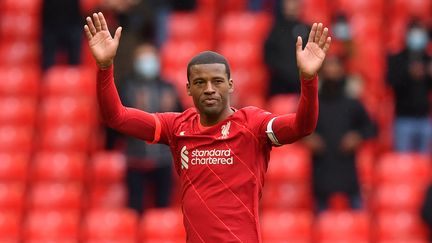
x,y
102,168
97,225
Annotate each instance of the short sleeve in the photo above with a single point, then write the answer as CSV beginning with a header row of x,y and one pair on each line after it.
x,y
165,123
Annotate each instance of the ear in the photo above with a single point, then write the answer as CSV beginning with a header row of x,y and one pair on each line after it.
x,y
188,88
231,86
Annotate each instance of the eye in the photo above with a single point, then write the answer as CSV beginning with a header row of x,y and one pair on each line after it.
x,y
199,82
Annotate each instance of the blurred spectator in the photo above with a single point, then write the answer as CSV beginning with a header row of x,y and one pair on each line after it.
x,y
411,82
149,165
61,30
342,42
426,210
342,125
279,49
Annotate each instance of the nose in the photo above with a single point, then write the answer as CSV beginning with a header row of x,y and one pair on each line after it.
x,y
209,89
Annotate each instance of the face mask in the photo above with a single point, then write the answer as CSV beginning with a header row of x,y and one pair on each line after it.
x,y
417,39
342,31
147,66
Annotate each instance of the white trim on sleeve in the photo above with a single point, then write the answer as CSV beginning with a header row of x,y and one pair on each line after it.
x,y
270,133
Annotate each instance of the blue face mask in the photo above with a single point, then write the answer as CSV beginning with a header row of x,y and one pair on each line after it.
x,y
417,39
147,66
341,31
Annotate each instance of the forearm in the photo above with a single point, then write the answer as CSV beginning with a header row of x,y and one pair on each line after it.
x,y
130,121
289,128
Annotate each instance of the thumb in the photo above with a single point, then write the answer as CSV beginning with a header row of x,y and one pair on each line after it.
x,y
299,44
117,34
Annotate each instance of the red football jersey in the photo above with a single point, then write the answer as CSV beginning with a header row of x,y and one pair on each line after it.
x,y
221,167
222,171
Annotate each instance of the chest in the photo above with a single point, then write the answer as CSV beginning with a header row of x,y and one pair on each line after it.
x,y
224,150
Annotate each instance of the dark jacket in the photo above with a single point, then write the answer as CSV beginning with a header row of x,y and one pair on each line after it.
x,y
280,55
334,170
150,96
411,96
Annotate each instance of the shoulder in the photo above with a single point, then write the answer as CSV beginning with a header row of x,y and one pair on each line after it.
x,y
252,114
252,110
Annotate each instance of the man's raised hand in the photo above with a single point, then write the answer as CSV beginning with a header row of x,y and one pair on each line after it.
x,y
102,45
310,59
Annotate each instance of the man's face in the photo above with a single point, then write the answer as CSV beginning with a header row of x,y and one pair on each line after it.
x,y
210,88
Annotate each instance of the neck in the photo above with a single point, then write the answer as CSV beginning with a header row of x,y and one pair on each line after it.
x,y
210,119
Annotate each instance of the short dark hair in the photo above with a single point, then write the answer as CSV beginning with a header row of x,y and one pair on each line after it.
x,y
208,57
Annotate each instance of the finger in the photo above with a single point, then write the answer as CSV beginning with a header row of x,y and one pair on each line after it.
x,y
87,32
327,45
323,38
97,22
299,44
312,32
117,34
318,32
103,22
91,26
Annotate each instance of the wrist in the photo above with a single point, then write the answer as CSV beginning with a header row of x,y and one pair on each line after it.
x,y
104,65
306,76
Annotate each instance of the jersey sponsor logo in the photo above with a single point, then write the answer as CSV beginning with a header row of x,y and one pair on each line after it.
x,y
206,157
184,158
225,130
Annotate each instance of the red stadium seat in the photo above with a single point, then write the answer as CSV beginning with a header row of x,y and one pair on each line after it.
x,y
285,195
65,138
162,224
184,51
10,226
290,163
291,226
403,167
70,81
315,11
110,241
400,196
27,29
61,196
253,27
400,226
107,167
18,111
107,196
16,139
187,26
242,54
350,8
12,197
20,81
14,167
110,224
237,6
283,104
60,167
51,241
49,225
22,6
334,226
68,110
20,54
249,82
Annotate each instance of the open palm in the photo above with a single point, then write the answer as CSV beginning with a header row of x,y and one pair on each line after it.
x,y
101,43
310,59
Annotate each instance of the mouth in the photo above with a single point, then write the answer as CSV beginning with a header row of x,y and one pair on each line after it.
x,y
210,101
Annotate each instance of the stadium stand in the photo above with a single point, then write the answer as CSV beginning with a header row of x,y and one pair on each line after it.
x,y
53,171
